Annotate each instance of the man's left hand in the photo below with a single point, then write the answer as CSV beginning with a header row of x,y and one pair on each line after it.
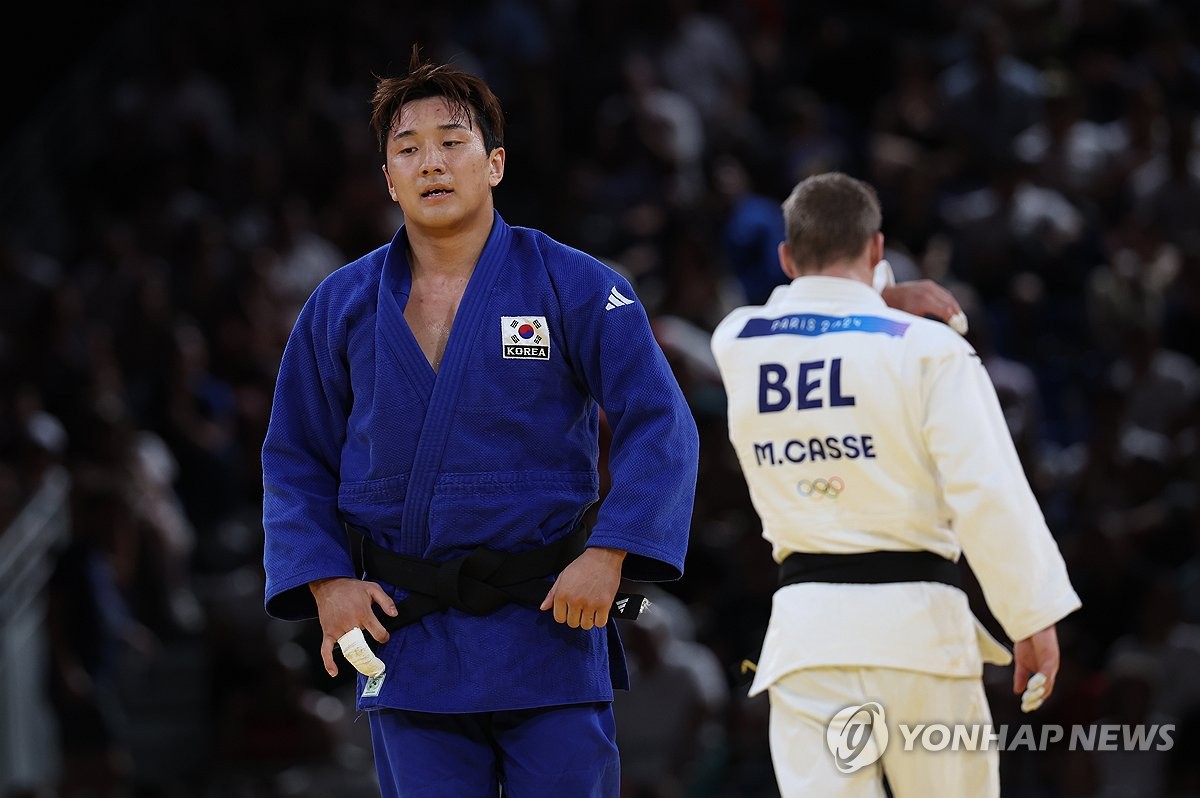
x,y
583,593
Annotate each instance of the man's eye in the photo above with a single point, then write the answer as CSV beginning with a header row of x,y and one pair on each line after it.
x,y
408,150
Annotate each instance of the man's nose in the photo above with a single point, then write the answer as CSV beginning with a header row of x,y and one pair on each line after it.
x,y
433,163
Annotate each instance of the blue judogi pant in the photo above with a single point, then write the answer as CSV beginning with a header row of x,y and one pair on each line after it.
x,y
551,752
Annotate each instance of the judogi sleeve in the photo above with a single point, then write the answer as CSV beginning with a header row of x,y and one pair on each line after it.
x,y
304,538
653,456
993,509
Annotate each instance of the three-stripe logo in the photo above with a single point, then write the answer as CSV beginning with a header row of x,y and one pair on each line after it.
x,y
616,299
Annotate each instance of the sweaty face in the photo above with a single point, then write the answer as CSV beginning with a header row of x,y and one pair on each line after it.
x,y
438,168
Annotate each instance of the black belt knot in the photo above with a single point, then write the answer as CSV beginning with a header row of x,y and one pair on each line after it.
x,y
472,583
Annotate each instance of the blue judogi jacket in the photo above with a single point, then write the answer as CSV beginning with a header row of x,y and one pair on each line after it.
x,y
499,448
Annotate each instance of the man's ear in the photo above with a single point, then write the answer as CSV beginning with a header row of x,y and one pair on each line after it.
x,y
496,167
388,178
877,248
786,263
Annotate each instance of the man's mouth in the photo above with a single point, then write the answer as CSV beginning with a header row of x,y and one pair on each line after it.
x,y
436,192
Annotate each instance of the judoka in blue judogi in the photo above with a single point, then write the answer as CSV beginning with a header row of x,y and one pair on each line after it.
x,y
441,396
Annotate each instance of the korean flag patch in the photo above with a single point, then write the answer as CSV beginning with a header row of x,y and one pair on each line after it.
x,y
525,337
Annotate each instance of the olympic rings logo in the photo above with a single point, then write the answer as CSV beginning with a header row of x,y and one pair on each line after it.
x,y
820,488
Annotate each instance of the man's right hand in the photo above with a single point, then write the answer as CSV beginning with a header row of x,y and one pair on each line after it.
x,y
925,297
344,603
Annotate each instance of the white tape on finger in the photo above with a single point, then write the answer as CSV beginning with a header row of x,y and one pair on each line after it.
x,y
958,323
1035,693
358,653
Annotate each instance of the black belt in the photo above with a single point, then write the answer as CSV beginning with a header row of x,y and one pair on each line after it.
x,y
477,583
869,568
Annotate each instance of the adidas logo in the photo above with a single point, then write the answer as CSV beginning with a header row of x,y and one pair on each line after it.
x,y
622,602
616,299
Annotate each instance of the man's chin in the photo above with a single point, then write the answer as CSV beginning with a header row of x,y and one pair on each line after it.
x,y
446,219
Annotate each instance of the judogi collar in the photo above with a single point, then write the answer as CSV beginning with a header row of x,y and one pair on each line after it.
x,y
820,287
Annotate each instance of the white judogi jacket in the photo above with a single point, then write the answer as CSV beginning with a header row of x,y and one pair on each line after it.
x,y
862,428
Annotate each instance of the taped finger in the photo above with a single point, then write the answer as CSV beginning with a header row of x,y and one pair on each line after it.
x,y
358,653
1035,693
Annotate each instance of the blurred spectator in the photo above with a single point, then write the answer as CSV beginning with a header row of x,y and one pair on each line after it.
x,y
1165,651
303,257
911,108
1131,289
1159,385
1016,384
1138,136
1068,152
1133,681
673,721
699,56
1009,226
751,230
1181,303
200,427
810,144
1167,188
661,122
990,94
1169,56
91,627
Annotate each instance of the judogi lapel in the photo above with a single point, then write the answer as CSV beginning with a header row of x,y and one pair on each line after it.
x,y
442,388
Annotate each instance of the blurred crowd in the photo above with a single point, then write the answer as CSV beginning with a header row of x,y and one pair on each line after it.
x,y
170,203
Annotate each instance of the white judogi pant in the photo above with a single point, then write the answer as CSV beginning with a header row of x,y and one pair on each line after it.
x,y
804,701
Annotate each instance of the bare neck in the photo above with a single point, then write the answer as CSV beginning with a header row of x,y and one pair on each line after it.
x,y
857,269
447,255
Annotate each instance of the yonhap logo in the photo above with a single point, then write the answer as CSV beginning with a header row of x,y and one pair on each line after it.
x,y
857,736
